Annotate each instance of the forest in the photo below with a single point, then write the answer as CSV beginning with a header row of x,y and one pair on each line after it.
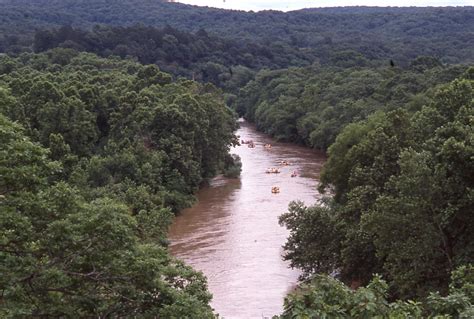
x,y
227,63
401,183
114,113
311,105
400,34
97,154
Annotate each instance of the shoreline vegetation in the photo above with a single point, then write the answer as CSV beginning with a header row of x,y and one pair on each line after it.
x,y
112,114
97,156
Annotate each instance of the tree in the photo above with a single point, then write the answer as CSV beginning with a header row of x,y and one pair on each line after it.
x,y
402,195
63,256
325,297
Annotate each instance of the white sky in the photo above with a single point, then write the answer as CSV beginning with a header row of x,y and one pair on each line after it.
x,y
257,5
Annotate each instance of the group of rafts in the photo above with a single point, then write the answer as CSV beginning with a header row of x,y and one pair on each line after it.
x,y
250,143
272,170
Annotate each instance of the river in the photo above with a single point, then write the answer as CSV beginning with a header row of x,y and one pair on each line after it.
x,y
232,233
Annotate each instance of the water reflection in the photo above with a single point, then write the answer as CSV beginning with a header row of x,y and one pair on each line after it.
x,y
232,233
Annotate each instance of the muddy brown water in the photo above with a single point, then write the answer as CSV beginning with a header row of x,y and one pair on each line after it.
x,y
232,233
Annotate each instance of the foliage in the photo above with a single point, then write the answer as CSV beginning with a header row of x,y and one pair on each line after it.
x,y
402,204
226,48
233,166
121,121
99,152
311,105
225,62
331,34
326,297
108,150
315,237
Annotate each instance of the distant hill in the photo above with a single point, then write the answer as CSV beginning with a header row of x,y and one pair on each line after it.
x,y
399,34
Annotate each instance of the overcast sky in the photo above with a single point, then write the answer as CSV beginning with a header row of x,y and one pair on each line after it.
x,y
257,5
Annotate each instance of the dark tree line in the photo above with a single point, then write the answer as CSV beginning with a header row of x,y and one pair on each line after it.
x,y
226,62
400,34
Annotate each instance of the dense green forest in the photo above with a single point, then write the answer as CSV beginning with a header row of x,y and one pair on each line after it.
x,y
96,156
113,113
401,206
225,47
227,63
400,34
311,105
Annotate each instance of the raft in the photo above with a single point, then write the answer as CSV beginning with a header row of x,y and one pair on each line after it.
x,y
272,170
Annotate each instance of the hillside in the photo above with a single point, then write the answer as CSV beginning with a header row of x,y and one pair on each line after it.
x,y
399,34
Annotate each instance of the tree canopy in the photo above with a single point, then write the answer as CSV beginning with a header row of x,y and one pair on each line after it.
x,y
402,186
113,113
400,34
101,153
311,105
